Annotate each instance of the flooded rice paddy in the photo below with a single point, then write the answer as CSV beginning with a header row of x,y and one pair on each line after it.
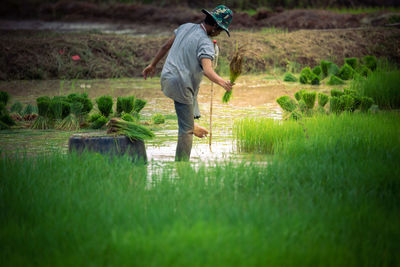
x,y
253,96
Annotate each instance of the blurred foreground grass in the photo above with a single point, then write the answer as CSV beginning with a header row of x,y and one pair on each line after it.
x,y
331,199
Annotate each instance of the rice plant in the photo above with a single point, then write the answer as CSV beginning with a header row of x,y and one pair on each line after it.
x,y
338,186
382,86
263,135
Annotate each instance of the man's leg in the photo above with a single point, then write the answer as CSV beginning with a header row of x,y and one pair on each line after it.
x,y
185,132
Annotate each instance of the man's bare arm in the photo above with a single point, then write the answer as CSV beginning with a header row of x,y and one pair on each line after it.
x,y
150,69
213,76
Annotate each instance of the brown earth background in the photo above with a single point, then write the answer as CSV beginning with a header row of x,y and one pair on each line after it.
x,y
299,37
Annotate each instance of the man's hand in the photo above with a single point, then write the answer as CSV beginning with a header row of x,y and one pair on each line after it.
x,y
213,76
199,131
149,70
227,85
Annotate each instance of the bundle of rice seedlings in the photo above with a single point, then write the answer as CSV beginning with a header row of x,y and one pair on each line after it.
x,y
322,99
158,118
105,103
289,77
139,105
125,104
17,108
71,122
337,92
59,109
309,99
6,118
235,69
348,102
287,103
99,123
94,117
43,121
314,79
29,109
334,80
299,94
303,106
346,72
127,117
325,67
370,62
303,79
129,129
352,61
4,97
336,105
317,70
366,103
83,99
333,69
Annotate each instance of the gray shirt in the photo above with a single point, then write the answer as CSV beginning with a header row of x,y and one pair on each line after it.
x,y
182,71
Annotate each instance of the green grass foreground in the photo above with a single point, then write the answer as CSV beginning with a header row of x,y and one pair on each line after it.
x,y
329,199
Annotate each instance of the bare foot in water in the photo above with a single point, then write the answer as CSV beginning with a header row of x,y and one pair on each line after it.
x,y
199,131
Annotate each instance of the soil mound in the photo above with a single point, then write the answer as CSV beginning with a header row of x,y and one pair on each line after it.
x,y
49,55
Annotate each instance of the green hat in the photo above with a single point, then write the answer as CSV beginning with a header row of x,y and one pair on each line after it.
x,y
222,16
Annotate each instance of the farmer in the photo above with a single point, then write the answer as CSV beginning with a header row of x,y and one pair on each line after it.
x,y
191,55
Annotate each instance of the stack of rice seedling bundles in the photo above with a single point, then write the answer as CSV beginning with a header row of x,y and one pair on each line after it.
x,y
130,129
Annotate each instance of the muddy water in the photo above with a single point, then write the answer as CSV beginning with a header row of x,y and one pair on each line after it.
x,y
253,96
100,27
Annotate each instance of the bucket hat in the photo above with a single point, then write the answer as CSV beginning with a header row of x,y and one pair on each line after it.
x,y
222,16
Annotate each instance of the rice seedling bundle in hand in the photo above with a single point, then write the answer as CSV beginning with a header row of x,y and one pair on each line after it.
x,y
235,69
130,129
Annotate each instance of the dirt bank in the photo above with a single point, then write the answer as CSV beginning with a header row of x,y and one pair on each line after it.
x,y
49,55
172,16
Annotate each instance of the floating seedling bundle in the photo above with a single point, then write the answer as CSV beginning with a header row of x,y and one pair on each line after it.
x,y
235,69
130,129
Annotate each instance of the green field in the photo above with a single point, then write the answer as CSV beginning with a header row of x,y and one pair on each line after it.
x,y
329,199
